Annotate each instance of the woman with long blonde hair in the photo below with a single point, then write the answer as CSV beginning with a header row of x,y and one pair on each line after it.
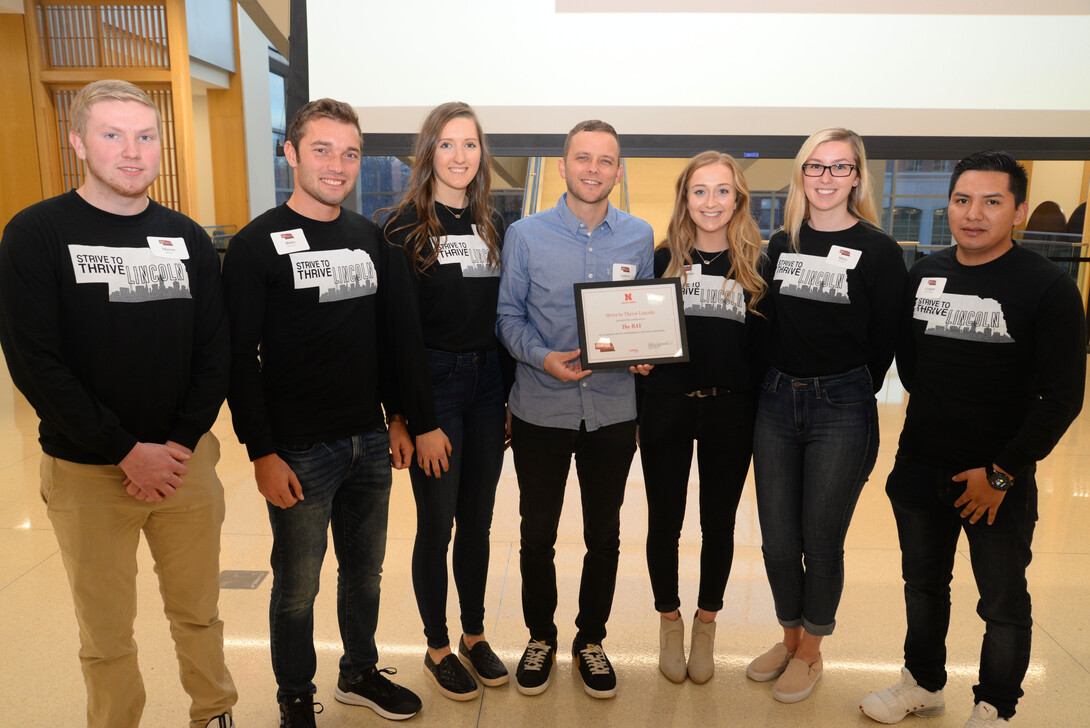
x,y
836,287
714,246
448,228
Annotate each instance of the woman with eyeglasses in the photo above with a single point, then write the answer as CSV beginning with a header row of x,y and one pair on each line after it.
x,y
448,228
714,246
835,290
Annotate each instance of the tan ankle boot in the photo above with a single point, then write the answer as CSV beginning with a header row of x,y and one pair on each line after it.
x,y
672,648
702,652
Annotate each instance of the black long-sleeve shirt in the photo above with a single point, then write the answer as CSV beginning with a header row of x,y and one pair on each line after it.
x,y
836,301
311,355
724,337
452,303
113,326
994,358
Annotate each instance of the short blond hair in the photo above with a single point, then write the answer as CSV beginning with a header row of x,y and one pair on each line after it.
x,y
108,90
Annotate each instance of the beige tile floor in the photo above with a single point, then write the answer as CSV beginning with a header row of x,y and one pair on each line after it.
x,y
41,683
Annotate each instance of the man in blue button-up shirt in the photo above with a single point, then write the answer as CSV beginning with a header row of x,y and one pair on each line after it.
x,y
559,409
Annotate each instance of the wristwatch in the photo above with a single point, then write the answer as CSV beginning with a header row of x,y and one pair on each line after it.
x,y
998,479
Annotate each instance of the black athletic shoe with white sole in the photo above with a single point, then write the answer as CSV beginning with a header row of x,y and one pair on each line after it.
x,y
297,711
535,668
599,680
375,691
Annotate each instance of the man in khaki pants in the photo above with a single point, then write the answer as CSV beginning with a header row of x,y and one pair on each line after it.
x,y
113,326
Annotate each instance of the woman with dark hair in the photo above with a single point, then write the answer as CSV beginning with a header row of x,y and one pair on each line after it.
x,y
448,228
714,246
836,289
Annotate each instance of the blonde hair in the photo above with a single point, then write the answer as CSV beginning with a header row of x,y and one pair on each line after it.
x,y
860,201
109,90
743,235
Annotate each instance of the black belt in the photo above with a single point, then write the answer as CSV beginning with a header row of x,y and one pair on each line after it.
x,y
710,392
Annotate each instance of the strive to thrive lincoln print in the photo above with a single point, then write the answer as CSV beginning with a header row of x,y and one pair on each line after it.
x,y
134,275
959,316
337,274
817,278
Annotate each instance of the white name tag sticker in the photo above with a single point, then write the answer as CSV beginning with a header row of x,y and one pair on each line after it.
x,y
931,288
173,248
290,241
843,257
624,271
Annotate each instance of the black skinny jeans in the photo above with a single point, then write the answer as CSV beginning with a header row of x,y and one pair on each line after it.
x,y
542,461
722,427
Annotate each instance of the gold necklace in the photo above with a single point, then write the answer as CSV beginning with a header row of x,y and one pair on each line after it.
x,y
704,260
457,215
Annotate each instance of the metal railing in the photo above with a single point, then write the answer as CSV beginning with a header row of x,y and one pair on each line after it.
x,y
533,186
221,235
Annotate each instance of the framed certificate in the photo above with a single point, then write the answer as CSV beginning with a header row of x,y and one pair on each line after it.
x,y
623,323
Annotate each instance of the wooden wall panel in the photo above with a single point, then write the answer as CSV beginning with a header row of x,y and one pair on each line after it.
x,y
20,179
182,93
227,130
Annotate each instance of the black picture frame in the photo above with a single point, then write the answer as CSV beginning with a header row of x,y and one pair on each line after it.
x,y
676,305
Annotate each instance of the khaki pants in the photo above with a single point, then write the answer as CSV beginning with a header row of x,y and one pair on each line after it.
x,y
98,528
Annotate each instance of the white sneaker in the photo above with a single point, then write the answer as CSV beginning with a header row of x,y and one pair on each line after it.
x,y
903,699
985,716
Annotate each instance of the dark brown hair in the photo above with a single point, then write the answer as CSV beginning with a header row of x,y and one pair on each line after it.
x,y
321,109
416,210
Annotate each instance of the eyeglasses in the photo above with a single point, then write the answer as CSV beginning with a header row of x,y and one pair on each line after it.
x,y
812,169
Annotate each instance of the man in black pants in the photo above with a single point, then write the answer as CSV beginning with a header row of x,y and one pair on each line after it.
x,y
305,284
994,358
559,410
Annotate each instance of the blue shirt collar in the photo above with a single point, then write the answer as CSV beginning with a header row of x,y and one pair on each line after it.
x,y
572,222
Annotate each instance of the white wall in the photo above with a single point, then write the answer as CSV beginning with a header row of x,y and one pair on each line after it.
x,y
529,68
256,104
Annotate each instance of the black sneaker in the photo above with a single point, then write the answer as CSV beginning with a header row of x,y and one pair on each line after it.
x,y
298,711
376,692
535,668
451,678
223,720
483,663
597,674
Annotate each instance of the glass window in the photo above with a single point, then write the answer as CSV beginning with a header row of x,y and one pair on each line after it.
x,y
902,222
914,195
940,228
283,180
767,209
509,205
381,182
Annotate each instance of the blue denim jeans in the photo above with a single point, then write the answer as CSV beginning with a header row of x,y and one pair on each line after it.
x,y
928,526
469,408
346,485
814,445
